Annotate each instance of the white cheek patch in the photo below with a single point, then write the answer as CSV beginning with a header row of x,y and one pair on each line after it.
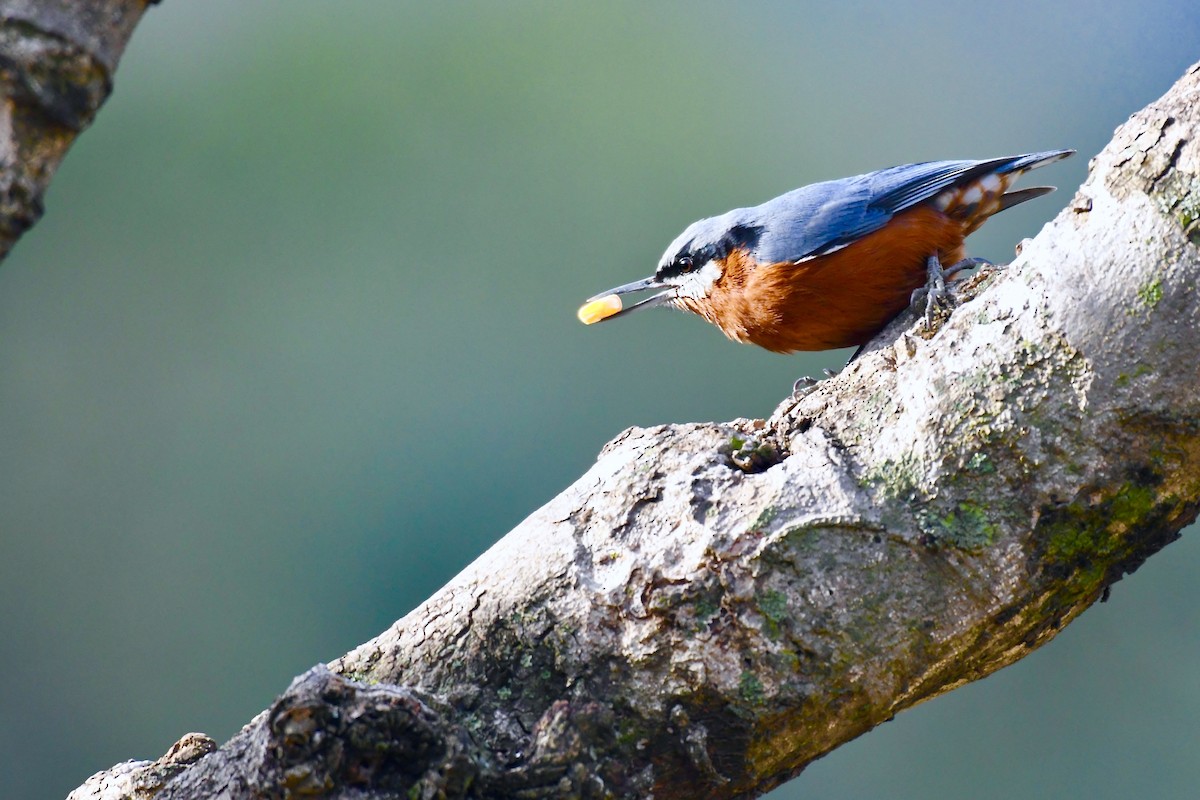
x,y
697,285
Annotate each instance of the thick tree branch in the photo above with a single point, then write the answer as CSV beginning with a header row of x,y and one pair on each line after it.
x,y
711,607
57,59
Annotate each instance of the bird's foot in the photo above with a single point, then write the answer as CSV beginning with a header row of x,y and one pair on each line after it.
x,y
934,291
807,383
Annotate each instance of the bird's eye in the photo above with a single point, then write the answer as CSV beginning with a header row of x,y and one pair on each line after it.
x,y
685,264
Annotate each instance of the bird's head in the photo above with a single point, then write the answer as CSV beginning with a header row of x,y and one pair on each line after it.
x,y
687,272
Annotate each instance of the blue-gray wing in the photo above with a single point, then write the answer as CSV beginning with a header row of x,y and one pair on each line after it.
x,y
825,217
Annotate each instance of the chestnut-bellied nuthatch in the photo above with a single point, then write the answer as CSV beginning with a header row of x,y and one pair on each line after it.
x,y
830,264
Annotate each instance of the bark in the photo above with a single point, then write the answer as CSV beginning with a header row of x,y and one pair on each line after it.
x,y
57,59
712,606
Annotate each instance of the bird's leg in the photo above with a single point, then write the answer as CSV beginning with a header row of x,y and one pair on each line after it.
x,y
935,283
935,288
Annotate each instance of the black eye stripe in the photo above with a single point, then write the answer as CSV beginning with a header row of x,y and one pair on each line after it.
x,y
688,261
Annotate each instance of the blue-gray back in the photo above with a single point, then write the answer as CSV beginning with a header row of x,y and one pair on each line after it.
x,y
824,217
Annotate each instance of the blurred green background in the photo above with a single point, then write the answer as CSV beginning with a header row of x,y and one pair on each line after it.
x,y
296,340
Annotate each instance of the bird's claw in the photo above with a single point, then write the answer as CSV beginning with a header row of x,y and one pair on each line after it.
x,y
807,383
966,263
803,385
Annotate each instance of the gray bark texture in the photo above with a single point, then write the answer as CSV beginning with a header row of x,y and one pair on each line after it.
x,y
713,606
57,59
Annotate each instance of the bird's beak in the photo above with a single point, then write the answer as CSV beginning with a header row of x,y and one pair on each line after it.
x,y
607,305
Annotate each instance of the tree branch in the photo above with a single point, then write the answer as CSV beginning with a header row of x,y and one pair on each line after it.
x,y
57,59
711,607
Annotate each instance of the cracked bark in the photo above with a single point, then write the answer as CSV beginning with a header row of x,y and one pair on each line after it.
x,y
712,606
57,59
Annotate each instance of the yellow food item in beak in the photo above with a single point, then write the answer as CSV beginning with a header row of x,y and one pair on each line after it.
x,y
597,310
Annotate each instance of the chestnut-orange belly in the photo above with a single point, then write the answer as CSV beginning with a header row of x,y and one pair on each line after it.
x,y
837,300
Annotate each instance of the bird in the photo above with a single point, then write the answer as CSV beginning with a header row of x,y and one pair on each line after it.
x,y
830,264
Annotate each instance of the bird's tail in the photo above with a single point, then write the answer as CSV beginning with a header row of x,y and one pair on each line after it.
x,y
1010,199
987,192
1022,164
